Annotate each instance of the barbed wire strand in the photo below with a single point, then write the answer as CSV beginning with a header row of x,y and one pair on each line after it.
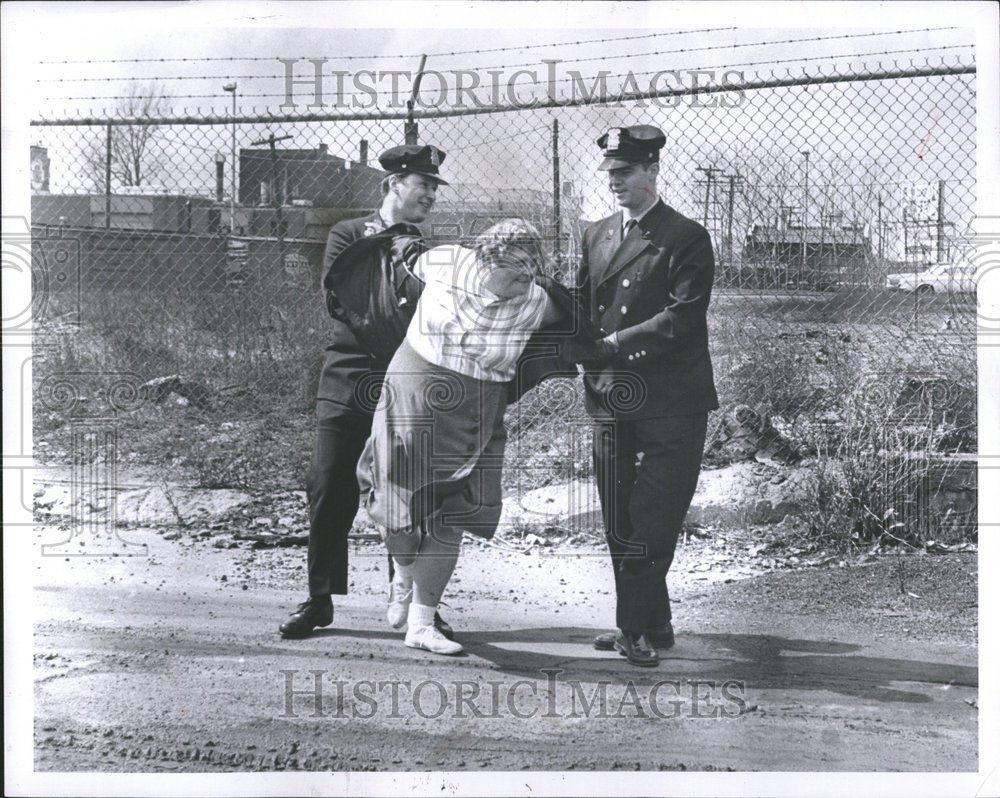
x,y
392,55
928,69
767,62
806,40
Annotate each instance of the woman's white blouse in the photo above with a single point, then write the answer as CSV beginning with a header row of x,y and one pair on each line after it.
x,y
461,325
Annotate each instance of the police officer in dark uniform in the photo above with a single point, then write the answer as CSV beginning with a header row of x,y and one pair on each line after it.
x,y
646,277
349,387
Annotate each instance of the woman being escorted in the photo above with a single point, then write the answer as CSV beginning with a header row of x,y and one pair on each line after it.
x,y
432,465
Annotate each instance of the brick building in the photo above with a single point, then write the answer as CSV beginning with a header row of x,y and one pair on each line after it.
x,y
308,177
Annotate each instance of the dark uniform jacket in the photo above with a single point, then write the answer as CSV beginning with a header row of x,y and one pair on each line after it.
x,y
653,289
346,361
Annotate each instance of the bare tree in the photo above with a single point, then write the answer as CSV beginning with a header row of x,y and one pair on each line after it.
x,y
134,160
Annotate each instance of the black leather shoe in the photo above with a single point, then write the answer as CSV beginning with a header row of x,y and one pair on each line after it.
x,y
661,636
311,613
638,650
443,627
606,641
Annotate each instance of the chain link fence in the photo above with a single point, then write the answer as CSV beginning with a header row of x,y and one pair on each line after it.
x,y
182,255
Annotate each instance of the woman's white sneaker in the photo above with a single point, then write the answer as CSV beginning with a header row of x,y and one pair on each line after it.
x,y
399,605
430,639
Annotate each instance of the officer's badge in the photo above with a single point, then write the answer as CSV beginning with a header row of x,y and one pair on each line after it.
x,y
614,139
435,161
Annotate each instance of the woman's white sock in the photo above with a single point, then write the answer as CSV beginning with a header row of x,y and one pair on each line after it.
x,y
420,615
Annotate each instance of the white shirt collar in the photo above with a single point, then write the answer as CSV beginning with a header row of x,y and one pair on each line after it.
x,y
627,214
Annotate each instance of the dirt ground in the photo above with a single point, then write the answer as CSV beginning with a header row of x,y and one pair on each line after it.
x,y
169,660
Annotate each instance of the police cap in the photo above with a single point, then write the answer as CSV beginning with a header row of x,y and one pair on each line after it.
x,y
624,146
418,159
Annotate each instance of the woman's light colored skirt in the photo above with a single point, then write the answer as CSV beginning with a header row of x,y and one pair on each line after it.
x,y
435,454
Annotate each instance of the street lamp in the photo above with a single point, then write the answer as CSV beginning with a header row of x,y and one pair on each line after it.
x,y
231,87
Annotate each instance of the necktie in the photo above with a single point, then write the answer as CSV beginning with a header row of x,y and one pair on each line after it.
x,y
628,226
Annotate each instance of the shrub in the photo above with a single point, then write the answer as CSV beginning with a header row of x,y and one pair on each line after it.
x,y
874,476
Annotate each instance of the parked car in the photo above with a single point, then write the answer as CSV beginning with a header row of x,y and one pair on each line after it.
x,y
942,278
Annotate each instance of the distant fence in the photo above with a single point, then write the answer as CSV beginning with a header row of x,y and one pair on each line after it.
x,y
126,260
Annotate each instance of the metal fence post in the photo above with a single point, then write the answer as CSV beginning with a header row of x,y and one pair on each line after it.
x,y
411,130
107,180
940,222
556,198
805,214
729,222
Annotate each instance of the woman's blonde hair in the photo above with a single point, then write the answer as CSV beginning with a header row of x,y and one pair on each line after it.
x,y
495,241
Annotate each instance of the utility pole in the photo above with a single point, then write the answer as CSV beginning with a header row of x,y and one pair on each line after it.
x,y
710,172
881,236
271,140
411,131
906,235
733,179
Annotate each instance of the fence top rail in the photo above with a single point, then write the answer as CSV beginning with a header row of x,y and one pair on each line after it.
x,y
894,73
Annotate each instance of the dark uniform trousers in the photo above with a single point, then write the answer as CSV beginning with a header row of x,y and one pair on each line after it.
x,y
332,488
651,286
647,472
349,387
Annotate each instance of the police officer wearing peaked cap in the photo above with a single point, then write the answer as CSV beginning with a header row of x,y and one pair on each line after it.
x,y
626,146
349,386
417,159
646,277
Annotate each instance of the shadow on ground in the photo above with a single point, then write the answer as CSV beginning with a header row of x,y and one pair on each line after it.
x,y
761,661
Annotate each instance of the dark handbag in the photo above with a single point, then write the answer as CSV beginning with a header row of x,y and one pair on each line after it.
x,y
544,355
371,287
